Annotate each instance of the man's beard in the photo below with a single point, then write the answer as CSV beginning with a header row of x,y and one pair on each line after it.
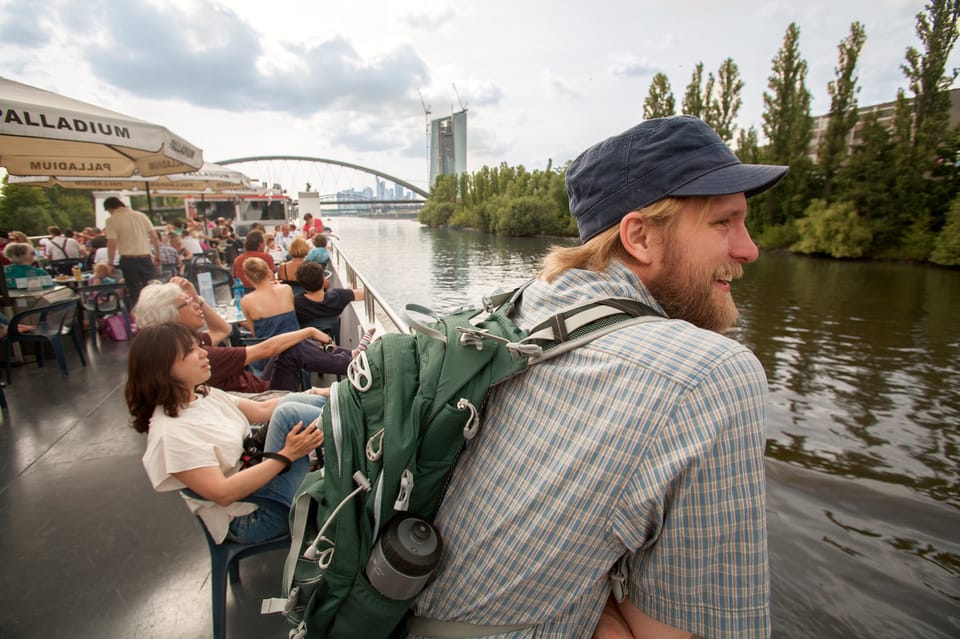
x,y
687,291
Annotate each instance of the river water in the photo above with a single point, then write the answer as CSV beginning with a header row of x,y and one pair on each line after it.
x,y
863,442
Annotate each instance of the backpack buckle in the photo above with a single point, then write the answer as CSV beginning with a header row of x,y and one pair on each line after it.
x,y
406,487
374,447
359,374
473,422
475,336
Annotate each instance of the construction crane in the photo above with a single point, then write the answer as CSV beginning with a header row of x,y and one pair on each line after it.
x,y
426,122
463,107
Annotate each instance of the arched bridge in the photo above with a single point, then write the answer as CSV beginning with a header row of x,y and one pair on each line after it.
x,y
338,181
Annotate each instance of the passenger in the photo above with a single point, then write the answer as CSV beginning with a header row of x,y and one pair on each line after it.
x,y
101,275
195,438
319,252
253,246
647,444
130,234
320,302
22,260
268,309
177,301
311,225
287,271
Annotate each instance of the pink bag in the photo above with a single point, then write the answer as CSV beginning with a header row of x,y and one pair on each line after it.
x,y
116,328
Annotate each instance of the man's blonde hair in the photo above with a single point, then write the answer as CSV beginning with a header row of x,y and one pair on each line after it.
x,y
597,253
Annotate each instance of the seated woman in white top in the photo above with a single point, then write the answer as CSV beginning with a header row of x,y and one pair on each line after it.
x,y
195,438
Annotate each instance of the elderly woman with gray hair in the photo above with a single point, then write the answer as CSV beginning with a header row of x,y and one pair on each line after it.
x,y
22,259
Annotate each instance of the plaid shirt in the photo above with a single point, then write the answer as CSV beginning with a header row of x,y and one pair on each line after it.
x,y
647,442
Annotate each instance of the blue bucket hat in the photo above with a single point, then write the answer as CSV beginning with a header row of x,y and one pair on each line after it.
x,y
680,156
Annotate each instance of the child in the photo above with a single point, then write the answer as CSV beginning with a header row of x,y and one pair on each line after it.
x,y
319,252
101,275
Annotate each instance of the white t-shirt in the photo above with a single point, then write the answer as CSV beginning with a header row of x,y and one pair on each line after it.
x,y
208,432
192,244
71,248
102,254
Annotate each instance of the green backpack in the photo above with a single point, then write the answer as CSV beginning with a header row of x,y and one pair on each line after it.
x,y
392,434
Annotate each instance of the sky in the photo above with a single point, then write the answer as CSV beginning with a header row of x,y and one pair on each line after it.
x,y
343,80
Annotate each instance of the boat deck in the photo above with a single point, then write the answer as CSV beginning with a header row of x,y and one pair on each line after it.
x,y
88,548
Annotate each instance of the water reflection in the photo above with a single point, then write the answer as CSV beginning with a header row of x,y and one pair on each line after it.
x,y
857,355
863,442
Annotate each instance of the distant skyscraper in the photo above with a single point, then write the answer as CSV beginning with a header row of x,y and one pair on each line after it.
x,y
448,146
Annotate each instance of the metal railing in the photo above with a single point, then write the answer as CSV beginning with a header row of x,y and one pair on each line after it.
x,y
376,311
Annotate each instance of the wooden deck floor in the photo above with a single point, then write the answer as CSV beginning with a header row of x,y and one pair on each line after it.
x,y
87,548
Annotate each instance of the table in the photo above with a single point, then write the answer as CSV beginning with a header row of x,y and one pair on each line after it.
x,y
26,298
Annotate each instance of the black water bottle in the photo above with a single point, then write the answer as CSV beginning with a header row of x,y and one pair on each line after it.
x,y
405,557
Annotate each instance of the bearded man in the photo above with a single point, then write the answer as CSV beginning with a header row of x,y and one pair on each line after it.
x,y
618,490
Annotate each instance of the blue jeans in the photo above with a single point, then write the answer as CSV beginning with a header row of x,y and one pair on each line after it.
x,y
270,519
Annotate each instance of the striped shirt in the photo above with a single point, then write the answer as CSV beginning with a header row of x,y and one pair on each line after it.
x,y
647,442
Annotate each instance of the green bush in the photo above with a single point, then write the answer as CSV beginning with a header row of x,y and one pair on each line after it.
x,y
834,230
774,237
946,248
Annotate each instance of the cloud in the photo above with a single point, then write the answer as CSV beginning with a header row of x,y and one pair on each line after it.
x,y
430,20
23,28
207,56
628,65
560,87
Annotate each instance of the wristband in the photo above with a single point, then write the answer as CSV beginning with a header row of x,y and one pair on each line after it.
x,y
282,458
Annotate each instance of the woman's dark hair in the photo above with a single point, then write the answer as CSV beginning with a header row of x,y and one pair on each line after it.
x,y
311,276
253,241
153,352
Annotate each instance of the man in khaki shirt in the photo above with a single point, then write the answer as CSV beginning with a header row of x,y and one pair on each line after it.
x,y
131,233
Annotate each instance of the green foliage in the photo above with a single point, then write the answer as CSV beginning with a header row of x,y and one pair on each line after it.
x,y
436,213
725,104
26,209
788,127
946,249
660,102
778,237
917,240
832,229
843,108
505,200
693,101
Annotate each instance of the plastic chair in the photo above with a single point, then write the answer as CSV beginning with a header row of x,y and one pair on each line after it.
x,y
225,559
49,324
329,325
64,266
102,300
221,277
167,271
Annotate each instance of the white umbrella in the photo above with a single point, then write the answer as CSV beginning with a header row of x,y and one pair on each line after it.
x,y
44,133
211,177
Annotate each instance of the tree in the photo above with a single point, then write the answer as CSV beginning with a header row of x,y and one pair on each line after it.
x,y
946,250
693,103
748,146
660,102
26,209
923,142
843,108
787,126
722,108
834,230
926,74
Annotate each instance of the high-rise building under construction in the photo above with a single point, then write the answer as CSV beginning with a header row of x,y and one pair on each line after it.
x,y
448,145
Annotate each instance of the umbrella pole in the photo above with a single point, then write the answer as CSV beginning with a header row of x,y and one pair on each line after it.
x,y
149,203
203,214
